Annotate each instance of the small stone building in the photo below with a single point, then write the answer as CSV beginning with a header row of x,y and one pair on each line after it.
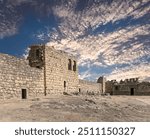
x,y
46,71
130,86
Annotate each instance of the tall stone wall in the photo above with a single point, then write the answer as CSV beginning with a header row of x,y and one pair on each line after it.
x,y
88,87
59,78
15,75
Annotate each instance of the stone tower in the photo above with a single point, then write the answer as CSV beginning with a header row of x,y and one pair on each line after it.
x,y
60,69
102,80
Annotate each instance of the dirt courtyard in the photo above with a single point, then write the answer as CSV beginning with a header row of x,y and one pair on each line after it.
x,y
77,109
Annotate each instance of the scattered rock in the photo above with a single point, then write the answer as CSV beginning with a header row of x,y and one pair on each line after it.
x,y
76,93
65,93
90,101
35,99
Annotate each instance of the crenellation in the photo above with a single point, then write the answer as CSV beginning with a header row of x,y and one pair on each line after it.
x,y
130,86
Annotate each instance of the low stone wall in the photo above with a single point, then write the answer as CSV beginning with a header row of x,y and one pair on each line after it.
x,y
87,87
16,75
132,89
143,89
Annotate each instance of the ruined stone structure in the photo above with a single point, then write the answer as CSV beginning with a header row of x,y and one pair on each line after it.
x,y
46,71
60,69
128,87
18,79
102,81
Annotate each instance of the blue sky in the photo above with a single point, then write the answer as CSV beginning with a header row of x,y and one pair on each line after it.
x,y
109,37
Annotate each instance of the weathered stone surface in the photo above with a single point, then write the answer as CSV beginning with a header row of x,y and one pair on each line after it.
x,y
59,78
88,87
128,87
16,74
46,71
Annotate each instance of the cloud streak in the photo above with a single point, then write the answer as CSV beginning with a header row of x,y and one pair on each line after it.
x,y
8,27
109,36
10,17
87,33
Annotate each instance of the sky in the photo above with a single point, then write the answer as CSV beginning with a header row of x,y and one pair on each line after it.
x,y
110,38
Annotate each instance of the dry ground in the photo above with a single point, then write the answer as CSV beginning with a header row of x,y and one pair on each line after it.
x,y
77,108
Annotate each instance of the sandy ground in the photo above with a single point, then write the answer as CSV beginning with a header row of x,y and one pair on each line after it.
x,y
77,109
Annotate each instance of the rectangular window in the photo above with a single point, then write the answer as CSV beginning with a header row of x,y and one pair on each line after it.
x,y
69,64
74,66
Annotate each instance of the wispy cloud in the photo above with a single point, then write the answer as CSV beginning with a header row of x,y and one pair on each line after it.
x,y
8,21
103,34
142,71
26,53
18,2
112,35
10,17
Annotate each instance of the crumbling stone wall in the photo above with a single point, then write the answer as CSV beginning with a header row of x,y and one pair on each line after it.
x,y
124,89
88,87
15,75
128,87
36,56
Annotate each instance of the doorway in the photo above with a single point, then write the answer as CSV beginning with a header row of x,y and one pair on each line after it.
x,y
132,91
24,93
79,90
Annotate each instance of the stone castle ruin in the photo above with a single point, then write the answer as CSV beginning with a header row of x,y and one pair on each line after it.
x,y
130,86
47,71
